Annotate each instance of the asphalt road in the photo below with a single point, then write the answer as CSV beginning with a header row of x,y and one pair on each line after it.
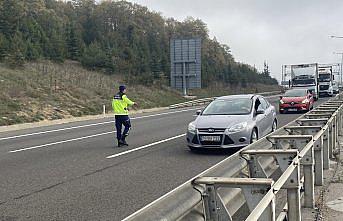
x,y
74,172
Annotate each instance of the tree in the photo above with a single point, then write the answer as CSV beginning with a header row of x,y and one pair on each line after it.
x,y
56,47
4,46
31,51
73,42
16,55
115,36
94,57
11,12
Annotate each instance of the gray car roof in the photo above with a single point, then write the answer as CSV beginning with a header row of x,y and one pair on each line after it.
x,y
237,96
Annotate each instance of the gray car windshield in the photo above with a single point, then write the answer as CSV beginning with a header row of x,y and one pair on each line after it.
x,y
295,93
237,106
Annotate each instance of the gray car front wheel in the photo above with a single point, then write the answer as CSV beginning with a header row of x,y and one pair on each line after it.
x,y
253,137
274,126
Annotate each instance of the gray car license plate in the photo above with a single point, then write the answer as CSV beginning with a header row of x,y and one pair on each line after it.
x,y
292,109
210,138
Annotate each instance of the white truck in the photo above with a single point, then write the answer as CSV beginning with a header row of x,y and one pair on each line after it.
x,y
305,76
326,81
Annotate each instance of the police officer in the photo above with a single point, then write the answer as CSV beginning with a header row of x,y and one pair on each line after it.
x,y
120,105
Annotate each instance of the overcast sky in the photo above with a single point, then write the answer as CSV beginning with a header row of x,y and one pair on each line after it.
x,y
278,31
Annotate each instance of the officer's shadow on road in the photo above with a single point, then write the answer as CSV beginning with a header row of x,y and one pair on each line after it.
x,y
217,151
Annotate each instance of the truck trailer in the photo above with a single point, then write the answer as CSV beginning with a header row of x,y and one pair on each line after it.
x,y
305,76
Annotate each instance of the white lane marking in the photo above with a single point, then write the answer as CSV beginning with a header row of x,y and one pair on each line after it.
x,y
60,142
161,114
55,130
89,125
145,146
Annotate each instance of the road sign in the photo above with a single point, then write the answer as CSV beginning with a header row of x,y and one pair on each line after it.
x,y
185,63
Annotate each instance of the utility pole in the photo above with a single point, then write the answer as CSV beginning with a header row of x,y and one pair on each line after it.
x,y
184,81
341,53
340,67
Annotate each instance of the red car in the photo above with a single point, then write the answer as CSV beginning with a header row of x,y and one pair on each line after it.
x,y
296,100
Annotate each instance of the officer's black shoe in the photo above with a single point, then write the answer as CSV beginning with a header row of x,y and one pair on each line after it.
x,y
120,144
123,142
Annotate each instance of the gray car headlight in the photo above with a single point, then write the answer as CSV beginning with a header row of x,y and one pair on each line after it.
x,y
191,128
237,127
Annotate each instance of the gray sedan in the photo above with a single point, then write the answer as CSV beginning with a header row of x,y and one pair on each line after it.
x,y
232,121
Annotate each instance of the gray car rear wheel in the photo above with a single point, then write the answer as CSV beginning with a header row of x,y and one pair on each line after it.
x,y
254,136
274,126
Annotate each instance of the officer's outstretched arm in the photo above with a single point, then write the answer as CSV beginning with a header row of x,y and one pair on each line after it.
x,y
127,100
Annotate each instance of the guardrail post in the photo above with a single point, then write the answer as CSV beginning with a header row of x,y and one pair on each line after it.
x,y
255,168
335,130
326,158
308,170
318,159
298,142
214,207
284,159
340,122
292,186
253,189
318,148
254,195
331,139
293,195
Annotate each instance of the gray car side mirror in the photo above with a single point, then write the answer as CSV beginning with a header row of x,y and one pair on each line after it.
x,y
258,112
198,112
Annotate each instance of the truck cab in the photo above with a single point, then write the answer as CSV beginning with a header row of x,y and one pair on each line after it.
x,y
325,79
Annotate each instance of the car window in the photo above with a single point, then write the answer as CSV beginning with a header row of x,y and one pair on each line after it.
x,y
263,105
234,106
295,93
266,102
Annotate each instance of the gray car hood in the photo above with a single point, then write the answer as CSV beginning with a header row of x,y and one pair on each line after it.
x,y
220,121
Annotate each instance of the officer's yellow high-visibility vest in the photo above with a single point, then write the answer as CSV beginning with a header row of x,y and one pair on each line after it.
x,y
120,103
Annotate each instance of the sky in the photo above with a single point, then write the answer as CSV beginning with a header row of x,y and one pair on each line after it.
x,y
278,31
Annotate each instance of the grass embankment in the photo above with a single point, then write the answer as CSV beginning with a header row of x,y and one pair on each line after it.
x,y
48,91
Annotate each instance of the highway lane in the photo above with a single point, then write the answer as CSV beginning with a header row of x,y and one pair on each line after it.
x,y
75,180
22,139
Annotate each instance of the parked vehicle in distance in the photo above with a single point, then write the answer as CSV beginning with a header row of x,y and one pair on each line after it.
x,y
335,87
232,121
305,76
295,100
326,79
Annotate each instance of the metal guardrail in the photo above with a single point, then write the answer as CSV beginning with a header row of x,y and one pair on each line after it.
x,y
292,160
204,101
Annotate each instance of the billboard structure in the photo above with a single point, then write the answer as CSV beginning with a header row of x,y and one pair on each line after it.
x,y
185,56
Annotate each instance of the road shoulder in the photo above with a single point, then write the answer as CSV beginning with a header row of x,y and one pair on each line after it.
x,y
71,120
329,197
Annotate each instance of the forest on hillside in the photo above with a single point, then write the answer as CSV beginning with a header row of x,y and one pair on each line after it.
x,y
117,37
